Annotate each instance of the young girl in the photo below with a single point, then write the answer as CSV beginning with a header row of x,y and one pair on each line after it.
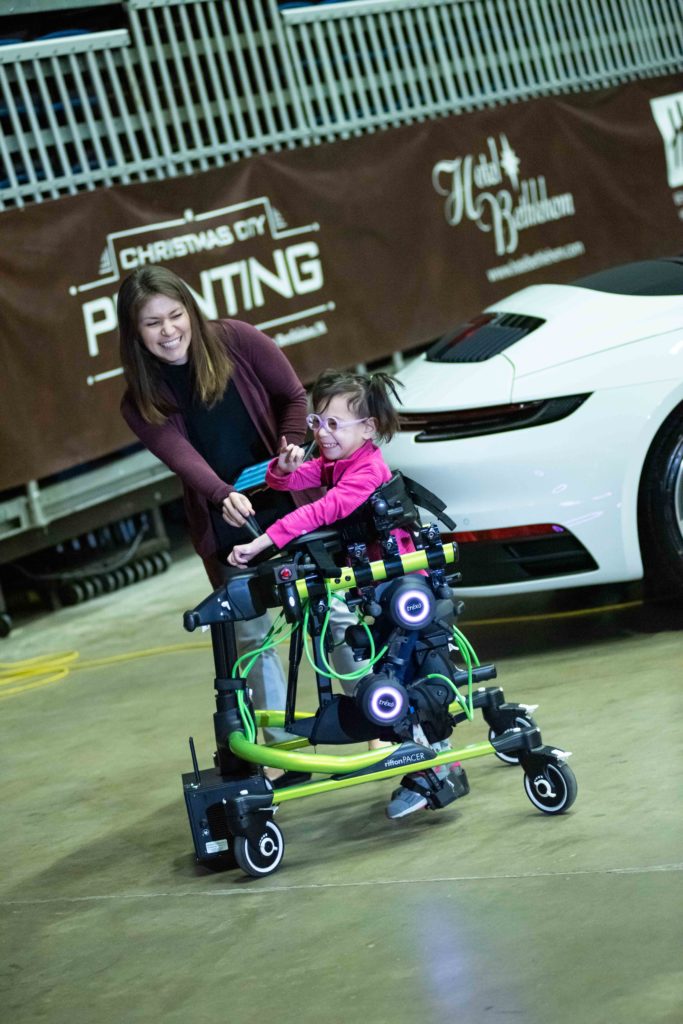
x,y
350,410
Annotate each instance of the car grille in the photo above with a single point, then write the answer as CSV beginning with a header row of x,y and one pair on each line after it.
x,y
482,338
494,419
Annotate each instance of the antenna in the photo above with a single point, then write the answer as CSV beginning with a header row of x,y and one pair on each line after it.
x,y
195,763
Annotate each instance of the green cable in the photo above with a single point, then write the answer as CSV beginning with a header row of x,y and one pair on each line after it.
x,y
466,705
267,647
464,644
328,671
253,655
274,631
247,721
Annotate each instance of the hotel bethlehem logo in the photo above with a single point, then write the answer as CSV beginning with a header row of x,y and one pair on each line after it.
x,y
667,112
488,189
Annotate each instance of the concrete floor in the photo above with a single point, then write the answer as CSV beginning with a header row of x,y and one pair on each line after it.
x,y
486,911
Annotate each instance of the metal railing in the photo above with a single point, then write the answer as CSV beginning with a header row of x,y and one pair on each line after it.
x,y
193,84
388,62
71,118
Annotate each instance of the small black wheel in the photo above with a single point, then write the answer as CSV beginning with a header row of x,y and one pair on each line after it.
x,y
159,564
264,857
5,625
149,567
552,788
139,570
521,722
109,582
71,593
660,512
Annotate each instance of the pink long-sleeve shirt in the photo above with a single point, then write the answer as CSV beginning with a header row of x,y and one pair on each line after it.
x,y
350,482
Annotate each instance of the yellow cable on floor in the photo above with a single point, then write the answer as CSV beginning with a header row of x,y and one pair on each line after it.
x,y
541,616
20,676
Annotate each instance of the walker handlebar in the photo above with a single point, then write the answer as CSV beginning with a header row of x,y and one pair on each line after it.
x,y
247,594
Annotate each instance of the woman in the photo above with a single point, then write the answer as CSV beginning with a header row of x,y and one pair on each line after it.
x,y
210,398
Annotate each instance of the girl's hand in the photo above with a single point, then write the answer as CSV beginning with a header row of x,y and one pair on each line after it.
x,y
290,456
236,507
242,554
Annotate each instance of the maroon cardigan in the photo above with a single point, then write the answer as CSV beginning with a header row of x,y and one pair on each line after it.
x,y
274,398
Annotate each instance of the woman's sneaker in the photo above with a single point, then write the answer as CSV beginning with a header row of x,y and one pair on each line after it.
x,y
412,794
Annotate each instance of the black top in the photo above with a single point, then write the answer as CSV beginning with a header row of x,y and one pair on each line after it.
x,y
648,277
226,437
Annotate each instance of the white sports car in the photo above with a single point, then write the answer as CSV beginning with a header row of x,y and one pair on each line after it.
x,y
552,426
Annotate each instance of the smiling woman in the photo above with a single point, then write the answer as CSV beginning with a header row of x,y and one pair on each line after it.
x,y
165,329
209,398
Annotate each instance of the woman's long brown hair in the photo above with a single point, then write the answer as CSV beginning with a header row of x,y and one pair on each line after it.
x,y
210,364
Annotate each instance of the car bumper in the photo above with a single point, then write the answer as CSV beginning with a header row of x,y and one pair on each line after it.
x,y
581,473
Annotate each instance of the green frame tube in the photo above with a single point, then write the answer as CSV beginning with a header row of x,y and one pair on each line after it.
x,y
336,764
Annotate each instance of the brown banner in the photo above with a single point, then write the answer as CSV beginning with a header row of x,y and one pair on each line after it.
x,y
342,253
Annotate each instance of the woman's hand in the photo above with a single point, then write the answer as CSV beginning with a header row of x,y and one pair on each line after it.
x,y
289,457
242,554
236,507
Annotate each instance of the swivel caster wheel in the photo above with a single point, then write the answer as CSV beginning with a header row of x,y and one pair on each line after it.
x,y
521,722
551,788
264,857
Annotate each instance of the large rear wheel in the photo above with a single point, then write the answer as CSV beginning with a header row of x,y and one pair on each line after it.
x,y
660,512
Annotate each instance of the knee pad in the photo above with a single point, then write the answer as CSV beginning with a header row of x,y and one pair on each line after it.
x,y
430,699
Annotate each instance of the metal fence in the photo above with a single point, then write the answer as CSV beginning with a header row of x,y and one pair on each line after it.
x,y
193,84
365,65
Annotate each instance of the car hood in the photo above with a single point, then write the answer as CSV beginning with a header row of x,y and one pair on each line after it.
x,y
440,386
581,322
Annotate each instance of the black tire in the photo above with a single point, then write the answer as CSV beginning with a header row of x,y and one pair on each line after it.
x,y
5,625
121,579
139,570
552,789
521,722
159,564
660,512
71,593
263,858
149,567
109,582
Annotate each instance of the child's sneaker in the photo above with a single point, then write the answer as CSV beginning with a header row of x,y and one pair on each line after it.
x,y
411,795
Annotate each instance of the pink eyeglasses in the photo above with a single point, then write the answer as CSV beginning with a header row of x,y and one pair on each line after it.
x,y
331,423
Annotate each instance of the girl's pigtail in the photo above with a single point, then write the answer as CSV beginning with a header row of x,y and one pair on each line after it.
x,y
382,392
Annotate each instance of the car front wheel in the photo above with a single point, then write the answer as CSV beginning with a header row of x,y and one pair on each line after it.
x,y
661,511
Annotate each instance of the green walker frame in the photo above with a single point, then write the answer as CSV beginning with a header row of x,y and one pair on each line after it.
x,y
231,806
